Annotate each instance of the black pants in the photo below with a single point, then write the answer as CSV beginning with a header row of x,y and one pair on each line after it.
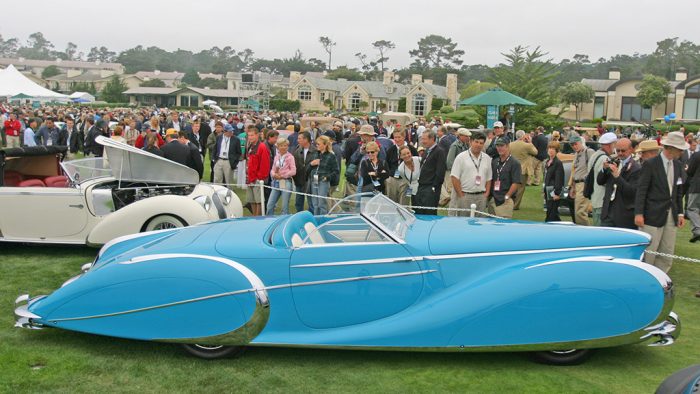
x,y
426,197
552,211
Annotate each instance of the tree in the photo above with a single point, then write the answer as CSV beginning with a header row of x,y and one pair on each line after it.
x,y
191,78
88,87
212,83
472,88
102,54
50,71
153,83
652,91
436,51
113,92
529,75
577,94
383,46
38,47
670,55
328,45
8,48
350,74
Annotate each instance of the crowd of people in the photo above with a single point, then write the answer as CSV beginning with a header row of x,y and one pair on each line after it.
x,y
618,178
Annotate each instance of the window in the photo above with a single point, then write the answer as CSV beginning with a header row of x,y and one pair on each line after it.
x,y
323,97
184,101
304,93
632,109
355,101
599,107
691,104
419,104
194,101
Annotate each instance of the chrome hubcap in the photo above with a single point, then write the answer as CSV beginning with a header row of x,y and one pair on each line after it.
x,y
164,226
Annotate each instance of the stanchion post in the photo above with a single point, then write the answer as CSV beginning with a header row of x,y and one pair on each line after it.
x,y
262,197
472,213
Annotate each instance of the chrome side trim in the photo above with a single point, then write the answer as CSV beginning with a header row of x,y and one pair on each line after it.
x,y
667,331
534,251
256,290
663,279
407,259
24,318
340,244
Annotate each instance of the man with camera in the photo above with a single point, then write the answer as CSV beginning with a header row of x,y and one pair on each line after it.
x,y
620,176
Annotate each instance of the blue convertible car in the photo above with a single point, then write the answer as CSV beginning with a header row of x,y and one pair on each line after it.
x,y
370,275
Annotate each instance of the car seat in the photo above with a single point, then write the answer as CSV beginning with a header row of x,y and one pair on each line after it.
x,y
56,181
12,178
32,183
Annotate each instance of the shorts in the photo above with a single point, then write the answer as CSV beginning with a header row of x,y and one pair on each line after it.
x,y
253,193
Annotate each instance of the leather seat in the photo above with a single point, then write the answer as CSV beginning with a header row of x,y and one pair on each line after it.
x,y
56,181
12,178
32,183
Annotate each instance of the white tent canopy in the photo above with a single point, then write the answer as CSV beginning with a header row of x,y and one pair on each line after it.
x,y
13,82
82,96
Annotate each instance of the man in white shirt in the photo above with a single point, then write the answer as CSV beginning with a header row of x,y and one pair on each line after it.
x,y
222,153
29,133
471,176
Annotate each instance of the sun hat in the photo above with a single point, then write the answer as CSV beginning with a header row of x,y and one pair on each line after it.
x,y
463,131
647,145
676,140
366,130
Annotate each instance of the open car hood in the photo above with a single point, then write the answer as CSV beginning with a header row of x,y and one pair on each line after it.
x,y
128,163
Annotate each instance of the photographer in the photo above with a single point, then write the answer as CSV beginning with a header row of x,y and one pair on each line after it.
x,y
620,176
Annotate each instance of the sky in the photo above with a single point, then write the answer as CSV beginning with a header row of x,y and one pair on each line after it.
x,y
275,29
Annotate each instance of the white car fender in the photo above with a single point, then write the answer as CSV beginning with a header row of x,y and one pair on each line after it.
x,y
132,218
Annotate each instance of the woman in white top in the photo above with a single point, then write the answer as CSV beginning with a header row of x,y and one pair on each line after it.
x,y
409,170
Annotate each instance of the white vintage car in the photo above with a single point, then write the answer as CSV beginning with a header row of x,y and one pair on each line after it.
x,y
94,200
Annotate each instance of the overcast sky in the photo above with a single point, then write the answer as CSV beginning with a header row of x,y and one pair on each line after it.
x,y
483,29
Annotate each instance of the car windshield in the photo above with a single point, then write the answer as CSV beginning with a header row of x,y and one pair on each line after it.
x,y
82,170
384,213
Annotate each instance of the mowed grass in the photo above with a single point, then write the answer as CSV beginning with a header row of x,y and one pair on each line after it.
x,y
61,361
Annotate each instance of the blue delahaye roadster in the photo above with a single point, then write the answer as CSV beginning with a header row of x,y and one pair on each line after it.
x,y
370,275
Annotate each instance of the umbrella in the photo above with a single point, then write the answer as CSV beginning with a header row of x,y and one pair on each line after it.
x,y
496,97
209,102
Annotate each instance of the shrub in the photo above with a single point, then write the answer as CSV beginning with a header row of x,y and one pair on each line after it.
x,y
437,103
446,109
285,105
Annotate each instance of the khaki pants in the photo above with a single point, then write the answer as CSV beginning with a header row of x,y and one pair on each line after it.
x,y
465,202
223,173
13,141
504,210
539,170
350,189
581,205
521,191
663,240
446,190
392,188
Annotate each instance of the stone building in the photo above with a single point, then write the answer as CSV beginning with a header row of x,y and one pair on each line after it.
x,y
72,67
317,93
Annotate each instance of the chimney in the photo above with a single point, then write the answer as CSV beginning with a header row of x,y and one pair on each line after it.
x,y
428,81
614,73
681,74
388,78
452,92
416,79
294,77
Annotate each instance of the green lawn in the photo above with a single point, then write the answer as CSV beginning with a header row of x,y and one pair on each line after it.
x,y
62,361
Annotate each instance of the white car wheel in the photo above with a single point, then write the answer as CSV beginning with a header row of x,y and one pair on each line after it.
x,y
163,222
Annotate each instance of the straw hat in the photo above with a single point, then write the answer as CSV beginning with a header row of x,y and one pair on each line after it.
x,y
647,145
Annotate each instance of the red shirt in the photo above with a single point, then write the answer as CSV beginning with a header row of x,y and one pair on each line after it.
x,y
141,141
258,163
12,127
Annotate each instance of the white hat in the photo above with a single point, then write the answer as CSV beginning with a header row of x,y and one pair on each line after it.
x,y
675,139
366,130
498,124
607,138
463,131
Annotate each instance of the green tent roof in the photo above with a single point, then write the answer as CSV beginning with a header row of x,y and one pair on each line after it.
x,y
496,96
21,96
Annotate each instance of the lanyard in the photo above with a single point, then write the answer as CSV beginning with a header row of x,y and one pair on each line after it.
x,y
280,163
500,166
472,158
405,167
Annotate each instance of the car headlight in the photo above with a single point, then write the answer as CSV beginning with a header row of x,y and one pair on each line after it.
x,y
204,201
226,195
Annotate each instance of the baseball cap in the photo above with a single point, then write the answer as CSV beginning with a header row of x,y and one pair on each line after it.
x,y
498,124
608,138
501,141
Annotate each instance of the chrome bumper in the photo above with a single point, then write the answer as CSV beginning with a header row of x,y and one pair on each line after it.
x,y
665,332
24,318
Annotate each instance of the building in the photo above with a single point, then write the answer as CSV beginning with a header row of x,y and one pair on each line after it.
x,y
241,80
37,67
68,83
187,97
616,99
318,93
172,79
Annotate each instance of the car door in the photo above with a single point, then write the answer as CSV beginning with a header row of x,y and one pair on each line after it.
x,y
340,284
41,213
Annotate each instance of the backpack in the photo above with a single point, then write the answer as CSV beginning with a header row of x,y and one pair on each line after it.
x,y
590,180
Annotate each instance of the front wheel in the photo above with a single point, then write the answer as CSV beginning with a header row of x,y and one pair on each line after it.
x,y
562,357
214,352
163,222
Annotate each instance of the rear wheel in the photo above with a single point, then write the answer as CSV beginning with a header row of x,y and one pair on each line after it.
x,y
562,357
163,222
214,352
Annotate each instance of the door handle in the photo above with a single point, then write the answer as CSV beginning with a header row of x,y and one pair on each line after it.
x,y
79,206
